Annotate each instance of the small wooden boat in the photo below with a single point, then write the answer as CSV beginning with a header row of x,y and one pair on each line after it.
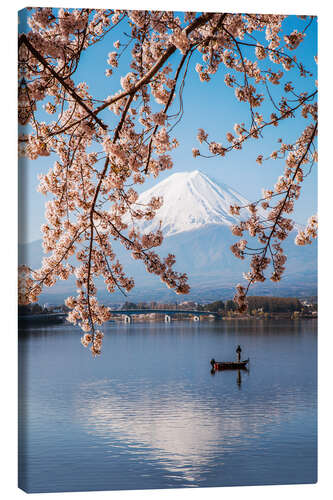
x,y
229,365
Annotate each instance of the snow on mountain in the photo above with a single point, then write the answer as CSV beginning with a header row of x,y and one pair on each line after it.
x,y
196,223
191,200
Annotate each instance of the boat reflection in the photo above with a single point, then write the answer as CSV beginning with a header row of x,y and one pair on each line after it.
x,y
239,373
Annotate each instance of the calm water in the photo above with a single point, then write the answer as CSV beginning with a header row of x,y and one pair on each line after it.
x,y
149,414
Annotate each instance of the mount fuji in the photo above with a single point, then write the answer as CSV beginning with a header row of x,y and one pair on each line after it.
x,y
196,222
191,200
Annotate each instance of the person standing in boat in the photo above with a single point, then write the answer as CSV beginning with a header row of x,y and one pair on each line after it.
x,y
239,350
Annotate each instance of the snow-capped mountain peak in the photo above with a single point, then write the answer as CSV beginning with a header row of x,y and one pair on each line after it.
x,y
190,200
196,226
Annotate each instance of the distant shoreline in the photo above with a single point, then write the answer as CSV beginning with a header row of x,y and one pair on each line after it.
x,y
38,320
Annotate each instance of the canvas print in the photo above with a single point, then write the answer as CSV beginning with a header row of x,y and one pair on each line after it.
x,y
167,249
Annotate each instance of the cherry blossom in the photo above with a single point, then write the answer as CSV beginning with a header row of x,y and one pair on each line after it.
x,y
91,186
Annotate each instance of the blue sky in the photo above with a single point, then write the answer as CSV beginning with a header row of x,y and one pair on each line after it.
x,y
211,106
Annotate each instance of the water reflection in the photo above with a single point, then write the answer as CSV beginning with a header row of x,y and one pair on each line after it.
x,y
239,379
186,433
148,413
239,374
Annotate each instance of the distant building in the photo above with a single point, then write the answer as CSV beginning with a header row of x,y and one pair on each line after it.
x,y
188,304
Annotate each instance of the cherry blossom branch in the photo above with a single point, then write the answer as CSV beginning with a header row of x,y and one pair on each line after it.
x,y
102,200
260,263
40,58
199,21
165,108
115,138
274,121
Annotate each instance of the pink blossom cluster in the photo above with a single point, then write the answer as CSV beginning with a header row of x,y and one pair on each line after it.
x,y
91,187
240,298
274,228
306,236
294,39
180,40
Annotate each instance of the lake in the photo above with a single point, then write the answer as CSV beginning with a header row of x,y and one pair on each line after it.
x,y
148,413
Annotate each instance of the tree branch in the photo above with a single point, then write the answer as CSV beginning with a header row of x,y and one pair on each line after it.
x,y
42,60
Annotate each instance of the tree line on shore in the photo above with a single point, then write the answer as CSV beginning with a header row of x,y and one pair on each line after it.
x,y
261,304
265,304
256,303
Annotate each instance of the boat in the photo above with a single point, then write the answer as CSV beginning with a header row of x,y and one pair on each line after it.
x,y
229,365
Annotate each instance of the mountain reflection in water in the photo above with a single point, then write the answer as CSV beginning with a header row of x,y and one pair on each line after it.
x,y
175,427
149,414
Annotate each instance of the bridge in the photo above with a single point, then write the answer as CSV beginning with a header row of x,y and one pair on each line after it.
x,y
168,313
125,313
